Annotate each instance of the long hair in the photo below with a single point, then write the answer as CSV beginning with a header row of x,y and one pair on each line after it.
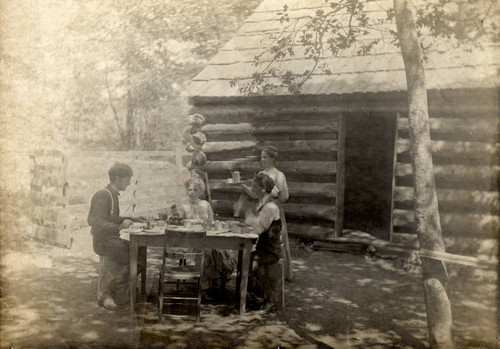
x,y
265,182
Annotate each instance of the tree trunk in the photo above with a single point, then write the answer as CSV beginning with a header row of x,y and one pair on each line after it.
x,y
130,124
426,208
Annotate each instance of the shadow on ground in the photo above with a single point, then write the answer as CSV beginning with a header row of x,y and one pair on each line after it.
x,y
336,300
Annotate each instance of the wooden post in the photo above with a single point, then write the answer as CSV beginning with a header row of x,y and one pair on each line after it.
x,y
339,198
393,186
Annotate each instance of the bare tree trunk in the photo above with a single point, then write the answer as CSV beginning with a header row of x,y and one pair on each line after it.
x,y
130,131
439,318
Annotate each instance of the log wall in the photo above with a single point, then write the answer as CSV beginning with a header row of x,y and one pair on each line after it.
x,y
311,154
465,155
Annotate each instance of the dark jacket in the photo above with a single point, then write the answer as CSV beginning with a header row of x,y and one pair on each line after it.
x,y
104,216
269,244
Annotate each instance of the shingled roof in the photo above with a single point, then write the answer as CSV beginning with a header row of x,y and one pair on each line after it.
x,y
380,71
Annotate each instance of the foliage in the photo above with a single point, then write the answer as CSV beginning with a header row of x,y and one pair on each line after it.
x,y
132,61
344,27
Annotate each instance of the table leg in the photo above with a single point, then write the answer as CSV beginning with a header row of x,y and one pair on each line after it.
x,y
143,255
133,270
238,271
245,266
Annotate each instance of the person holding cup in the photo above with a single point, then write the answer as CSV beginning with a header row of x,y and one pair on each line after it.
x,y
279,194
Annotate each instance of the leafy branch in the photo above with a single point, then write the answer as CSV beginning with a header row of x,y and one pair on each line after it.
x,y
345,25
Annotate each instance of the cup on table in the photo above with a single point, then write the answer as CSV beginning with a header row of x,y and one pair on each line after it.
x,y
218,225
188,224
208,224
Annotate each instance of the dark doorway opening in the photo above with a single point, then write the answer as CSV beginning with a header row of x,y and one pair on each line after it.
x,y
368,176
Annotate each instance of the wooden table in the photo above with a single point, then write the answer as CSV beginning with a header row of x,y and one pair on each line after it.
x,y
242,242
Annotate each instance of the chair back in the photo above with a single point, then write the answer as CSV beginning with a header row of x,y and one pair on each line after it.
x,y
184,237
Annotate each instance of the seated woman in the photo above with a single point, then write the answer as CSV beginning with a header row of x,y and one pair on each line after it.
x,y
219,264
265,221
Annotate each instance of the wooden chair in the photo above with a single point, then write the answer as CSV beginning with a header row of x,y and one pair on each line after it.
x,y
280,294
188,244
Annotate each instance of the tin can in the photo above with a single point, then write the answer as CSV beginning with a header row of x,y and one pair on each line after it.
x,y
236,177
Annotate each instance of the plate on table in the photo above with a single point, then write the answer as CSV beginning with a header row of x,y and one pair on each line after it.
x,y
222,231
154,230
183,228
231,182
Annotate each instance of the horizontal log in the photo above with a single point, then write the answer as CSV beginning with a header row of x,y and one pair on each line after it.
x,y
449,199
213,108
471,152
260,111
478,129
298,146
317,190
475,247
453,172
292,211
473,225
302,126
293,167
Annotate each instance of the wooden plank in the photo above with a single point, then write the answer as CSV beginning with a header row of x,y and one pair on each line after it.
x,y
296,146
457,259
473,225
292,210
309,231
340,185
459,199
292,167
326,190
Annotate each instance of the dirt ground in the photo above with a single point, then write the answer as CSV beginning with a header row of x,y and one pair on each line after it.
x,y
337,300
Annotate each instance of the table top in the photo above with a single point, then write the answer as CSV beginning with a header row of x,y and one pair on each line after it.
x,y
160,230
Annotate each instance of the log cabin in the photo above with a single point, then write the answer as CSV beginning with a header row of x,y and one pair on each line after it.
x,y
343,140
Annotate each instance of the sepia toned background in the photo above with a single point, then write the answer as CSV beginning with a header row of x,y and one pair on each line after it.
x,y
100,82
